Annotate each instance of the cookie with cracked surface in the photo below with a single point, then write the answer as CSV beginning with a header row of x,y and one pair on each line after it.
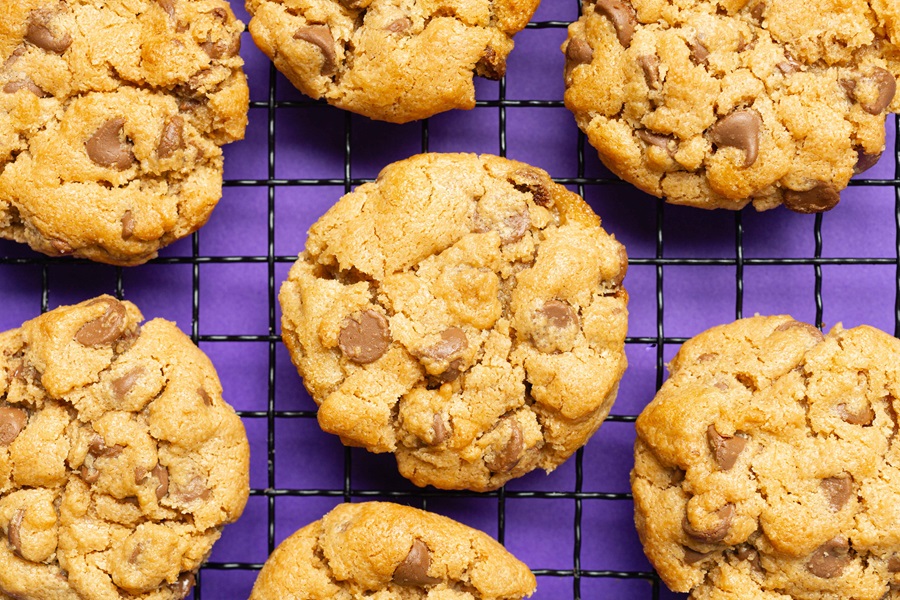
x,y
768,465
385,550
112,115
119,460
463,312
391,61
722,103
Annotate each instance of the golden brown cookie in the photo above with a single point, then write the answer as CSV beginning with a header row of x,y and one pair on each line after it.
x,y
119,460
112,115
463,312
721,103
768,465
391,61
389,551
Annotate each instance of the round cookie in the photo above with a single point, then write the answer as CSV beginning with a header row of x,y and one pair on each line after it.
x,y
391,551
387,60
119,460
768,464
463,312
721,103
112,115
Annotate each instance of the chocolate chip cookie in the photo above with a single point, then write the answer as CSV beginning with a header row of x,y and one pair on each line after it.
x,y
384,550
721,103
112,116
768,465
463,312
388,60
119,460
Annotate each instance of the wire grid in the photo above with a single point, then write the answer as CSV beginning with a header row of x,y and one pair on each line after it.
x,y
577,574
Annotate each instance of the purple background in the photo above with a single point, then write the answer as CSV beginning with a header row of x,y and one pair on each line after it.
x,y
309,466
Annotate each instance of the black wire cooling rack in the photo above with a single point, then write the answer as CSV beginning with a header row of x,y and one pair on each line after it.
x,y
273,107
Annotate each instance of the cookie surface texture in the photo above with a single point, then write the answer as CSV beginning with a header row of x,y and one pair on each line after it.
x,y
722,103
391,61
119,460
391,551
768,465
112,115
463,312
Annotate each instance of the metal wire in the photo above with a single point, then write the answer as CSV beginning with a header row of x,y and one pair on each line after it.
x,y
348,492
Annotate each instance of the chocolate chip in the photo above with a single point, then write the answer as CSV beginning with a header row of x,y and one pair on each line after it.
x,y
39,34
172,138
789,65
893,564
692,556
622,16
529,180
106,328
666,142
168,6
718,533
649,64
830,559
514,227
106,148
25,84
123,384
441,434
814,332
865,161
61,247
821,197
140,474
98,448
127,225
195,489
12,422
207,400
491,65
504,460
414,568
320,35
184,585
725,449
365,337
89,474
25,372
162,475
837,490
399,25
138,548
559,314
453,342
748,553
578,52
699,52
739,130
13,533
758,10
887,88
863,417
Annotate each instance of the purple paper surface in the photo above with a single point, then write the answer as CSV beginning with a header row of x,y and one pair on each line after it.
x,y
592,530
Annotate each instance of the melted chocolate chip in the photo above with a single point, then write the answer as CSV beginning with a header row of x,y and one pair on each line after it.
x,y
863,417
893,564
665,142
830,559
162,475
364,337
649,64
184,585
699,52
578,52
864,161
821,197
207,400
814,332
692,556
40,35
739,130
168,6
138,549
12,422
789,65
837,490
491,65
123,384
320,36
758,11
13,532
106,148
24,84
453,341
399,25
887,88
622,16
718,533
748,553
559,314
89,474
529,180
413,571
725,449
195,489
127,225
506,459
172,138
105,329
98,448
441,434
